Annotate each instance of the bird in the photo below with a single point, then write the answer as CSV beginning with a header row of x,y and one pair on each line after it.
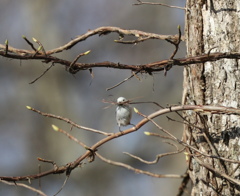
x,y
123,112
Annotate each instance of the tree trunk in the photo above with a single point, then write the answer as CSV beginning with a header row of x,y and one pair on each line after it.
x,y
213,26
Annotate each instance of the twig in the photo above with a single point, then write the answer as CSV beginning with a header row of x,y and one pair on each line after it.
x,y
68,121
153,102
55,128
29,43
177,43
71,66
157,156
150,3
42,74
218,173
47,161
138,171
158,135
183,185
40,46
118,84
25,186
64,183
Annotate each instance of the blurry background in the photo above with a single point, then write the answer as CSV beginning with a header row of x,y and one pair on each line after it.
x,y
25,135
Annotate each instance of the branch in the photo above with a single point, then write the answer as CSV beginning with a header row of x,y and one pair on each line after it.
x,y
142,68
139,171
25,186
218,173
150,3
157,156
98,31
67,121
90,151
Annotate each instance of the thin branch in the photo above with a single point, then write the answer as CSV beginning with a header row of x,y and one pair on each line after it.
x,y
29,43
177,43
40,46
90,151
138,171
64,183
157,156
118,84
150,3
218,173
42,74
71,70
71,137
183,185
68,121
25,186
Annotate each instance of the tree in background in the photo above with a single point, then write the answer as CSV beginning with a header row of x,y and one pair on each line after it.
x,y
210,139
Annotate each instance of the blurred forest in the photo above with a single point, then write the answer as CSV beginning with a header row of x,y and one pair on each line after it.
x,y
26,135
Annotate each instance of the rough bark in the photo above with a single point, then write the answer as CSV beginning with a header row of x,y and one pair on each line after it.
x,y
213,26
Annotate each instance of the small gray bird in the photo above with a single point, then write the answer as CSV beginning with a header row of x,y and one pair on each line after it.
x,y
123,112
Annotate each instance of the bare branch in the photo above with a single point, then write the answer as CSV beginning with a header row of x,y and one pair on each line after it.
x,y
142,68
177,43
106,30
76,59
157,156
90,151
138,171
150,3
68,121
214,109
64,183
183,185
25,186
218,173
55,128
42,74
126,79
29,43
